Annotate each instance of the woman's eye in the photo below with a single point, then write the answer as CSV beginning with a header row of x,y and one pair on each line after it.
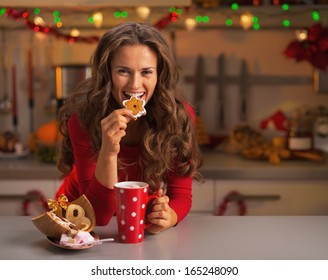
x,y
123,71
147,72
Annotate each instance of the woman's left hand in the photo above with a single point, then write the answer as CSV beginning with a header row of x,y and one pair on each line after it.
x,y
162,215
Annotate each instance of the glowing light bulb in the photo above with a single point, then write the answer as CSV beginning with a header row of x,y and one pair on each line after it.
x,y
301,35
246,20
190,23
39,21
97,19
75,32
143,12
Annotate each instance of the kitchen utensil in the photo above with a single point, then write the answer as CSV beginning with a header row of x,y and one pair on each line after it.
x,y
30,88
221,90
14,102
244,89
200,83
5,102
51,103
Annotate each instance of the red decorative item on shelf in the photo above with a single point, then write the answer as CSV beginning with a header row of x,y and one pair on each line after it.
x,y
34,195
313,49
278,120
242,208
164,21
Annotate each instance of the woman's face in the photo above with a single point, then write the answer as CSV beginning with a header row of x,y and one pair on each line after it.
x,y
134,73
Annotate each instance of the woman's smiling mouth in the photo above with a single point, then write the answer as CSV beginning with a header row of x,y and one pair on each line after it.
x,y
135,94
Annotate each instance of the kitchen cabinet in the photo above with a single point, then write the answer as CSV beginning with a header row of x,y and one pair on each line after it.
x,y
295,197
302,186
12,194
203,197
265,198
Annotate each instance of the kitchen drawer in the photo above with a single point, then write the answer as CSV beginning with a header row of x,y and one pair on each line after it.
x,y
203,197
296,197
13,206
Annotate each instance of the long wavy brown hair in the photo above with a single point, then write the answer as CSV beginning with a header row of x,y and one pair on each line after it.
x,y
168,143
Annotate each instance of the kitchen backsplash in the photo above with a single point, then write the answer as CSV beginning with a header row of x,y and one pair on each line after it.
x,y
272,81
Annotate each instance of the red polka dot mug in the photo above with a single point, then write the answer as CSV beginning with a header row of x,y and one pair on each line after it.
x,y
131,202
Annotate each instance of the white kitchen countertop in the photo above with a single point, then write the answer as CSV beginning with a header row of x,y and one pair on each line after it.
x,y
197,237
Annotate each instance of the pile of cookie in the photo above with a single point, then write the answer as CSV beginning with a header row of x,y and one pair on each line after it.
x,y
252,144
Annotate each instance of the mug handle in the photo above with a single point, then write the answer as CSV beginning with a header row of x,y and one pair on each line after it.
x,y
150,197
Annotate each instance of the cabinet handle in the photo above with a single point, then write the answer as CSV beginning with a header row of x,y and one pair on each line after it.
x,y
12,196
31,196
28,196
239,197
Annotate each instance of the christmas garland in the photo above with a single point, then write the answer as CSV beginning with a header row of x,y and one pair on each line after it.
x,y
24,15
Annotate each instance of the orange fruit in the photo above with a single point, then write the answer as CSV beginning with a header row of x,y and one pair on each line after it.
x,y
48,133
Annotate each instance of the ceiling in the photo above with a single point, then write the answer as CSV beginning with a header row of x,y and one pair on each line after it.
x,y
94,3
75,13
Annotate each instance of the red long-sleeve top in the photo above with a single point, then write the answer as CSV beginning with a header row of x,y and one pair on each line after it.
x,y
82,180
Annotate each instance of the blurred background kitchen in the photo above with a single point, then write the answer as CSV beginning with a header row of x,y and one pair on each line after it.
x,y
255,71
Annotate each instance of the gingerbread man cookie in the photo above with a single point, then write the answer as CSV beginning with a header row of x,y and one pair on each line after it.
x,y
136,106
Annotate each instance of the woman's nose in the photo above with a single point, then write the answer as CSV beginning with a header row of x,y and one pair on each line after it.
x,y
135,81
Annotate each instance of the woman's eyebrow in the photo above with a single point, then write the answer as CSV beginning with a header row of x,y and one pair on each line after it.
x,y
127,68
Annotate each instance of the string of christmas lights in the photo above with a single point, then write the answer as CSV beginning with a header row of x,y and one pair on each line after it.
x,y
24,16
252,17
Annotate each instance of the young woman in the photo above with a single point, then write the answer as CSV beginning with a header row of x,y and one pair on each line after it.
x,y
103,144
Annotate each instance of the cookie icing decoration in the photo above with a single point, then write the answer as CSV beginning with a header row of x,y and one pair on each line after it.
x,y
136,106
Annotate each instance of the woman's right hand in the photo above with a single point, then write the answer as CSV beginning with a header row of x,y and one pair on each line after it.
x,y
113,129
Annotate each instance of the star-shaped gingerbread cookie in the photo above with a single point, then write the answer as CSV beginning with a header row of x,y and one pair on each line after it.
x,y
136,106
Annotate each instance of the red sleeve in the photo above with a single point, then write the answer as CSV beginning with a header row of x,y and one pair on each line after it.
x,y
179,192
179,189
101,198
